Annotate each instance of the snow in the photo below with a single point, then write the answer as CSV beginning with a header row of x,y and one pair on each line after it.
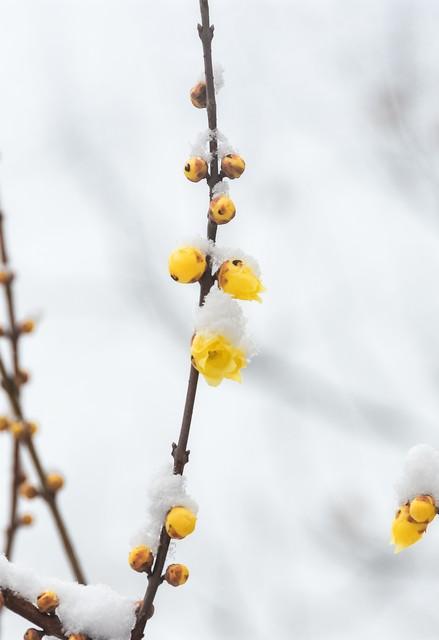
x,y
218,76
420,474
200,146
95,610
221,188
166,490
221,254
222,315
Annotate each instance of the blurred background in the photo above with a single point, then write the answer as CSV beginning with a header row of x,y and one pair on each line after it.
x,y
334,105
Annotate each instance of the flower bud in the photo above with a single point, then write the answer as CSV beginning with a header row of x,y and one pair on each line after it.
x,y
27,326
195,169
405,530
180,522
199,95
140,558
176,574
54,482
238,279
27,490
47,602
187,264
232,165
22,377
33,634
5,423
6,276
2,600
222,209
17,429
422,508
26,520
78,636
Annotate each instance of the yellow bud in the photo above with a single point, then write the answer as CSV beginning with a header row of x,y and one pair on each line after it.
x,y
187,264
33,428
47,602
5,423
238,279
33,634
18,429
180,522
140,558
222,209
78,636
199,95
26,520
5,277
405,530
195,169
27,490
27,326
422,509
176,574
22,377
232,165
54,482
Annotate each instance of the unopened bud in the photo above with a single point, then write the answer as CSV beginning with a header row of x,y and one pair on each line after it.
x,y
26,520
27,326
6,276
140,558
54,482
5,423
47,602
27,490
33,634
176,574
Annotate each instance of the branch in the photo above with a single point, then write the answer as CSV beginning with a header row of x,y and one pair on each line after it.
x,y
11,385
50,624
179,450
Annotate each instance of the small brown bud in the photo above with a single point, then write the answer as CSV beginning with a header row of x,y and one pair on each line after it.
x,y
32,428
27,326
176,574
199,95
6,276
2,600
5,423
140,558
22,377
47,602
27,490
33,634
54,482
26,520
17,429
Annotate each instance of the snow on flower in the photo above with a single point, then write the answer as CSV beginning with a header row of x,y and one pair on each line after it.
x,y
220,347
94,610
420,474
166,490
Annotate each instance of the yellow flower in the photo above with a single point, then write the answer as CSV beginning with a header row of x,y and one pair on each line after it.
x,y
180,522
405,530
236,278
187,264
217,358
423,509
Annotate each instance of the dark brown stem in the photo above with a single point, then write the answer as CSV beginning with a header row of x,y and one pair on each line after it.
x,y
50,624
180,452
11,386
13,336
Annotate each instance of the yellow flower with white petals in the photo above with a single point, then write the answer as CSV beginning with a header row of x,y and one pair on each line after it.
x,y
217,358
238,279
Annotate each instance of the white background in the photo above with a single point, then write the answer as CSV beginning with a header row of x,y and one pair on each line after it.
x,y
333,104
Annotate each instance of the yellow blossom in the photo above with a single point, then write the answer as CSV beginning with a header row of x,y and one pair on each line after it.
x,y
217,358
422,509
238,279
405,530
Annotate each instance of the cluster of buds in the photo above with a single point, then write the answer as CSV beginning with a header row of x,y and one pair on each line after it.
x,y
411,521
22,429
179,523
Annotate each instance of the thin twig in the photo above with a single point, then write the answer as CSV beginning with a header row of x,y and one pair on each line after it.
x,y
11,385
50,624
13,335
179,450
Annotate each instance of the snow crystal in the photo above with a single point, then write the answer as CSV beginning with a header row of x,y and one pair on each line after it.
x,y
224,146
166,490
222,315
95,610
221,189
200,146
218,77
221,254
197,241
420,474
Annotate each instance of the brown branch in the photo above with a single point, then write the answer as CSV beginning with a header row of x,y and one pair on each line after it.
x,y
11,385
13,335
179,450
50,624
